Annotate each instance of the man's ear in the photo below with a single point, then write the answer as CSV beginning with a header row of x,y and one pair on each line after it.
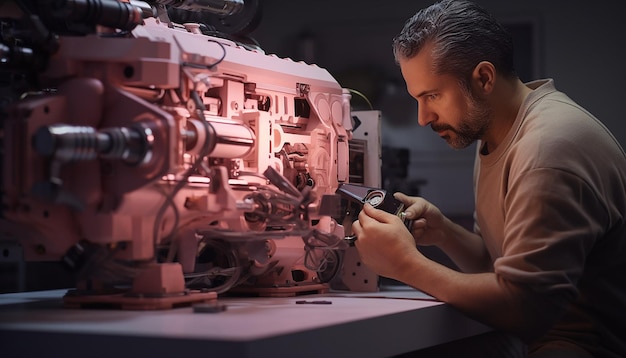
x,y
484,77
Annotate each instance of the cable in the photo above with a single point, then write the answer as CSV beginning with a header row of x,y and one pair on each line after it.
x,y
183,181
362,96
208,67
233,271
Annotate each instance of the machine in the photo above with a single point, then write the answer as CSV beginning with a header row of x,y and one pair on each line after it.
x,y
164,159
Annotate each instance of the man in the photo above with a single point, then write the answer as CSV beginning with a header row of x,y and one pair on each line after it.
x,y
546,262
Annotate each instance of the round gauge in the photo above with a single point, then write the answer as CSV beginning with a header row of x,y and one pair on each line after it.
x,y
375,197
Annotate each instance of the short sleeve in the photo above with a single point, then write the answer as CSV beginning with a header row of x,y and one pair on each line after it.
x,y
553,219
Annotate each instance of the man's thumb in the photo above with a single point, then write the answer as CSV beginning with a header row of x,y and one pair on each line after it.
x,y
403,198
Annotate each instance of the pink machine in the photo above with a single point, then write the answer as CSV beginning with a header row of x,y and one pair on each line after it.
x,y
161,162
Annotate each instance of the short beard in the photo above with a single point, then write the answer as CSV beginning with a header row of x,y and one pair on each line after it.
x,y
475,124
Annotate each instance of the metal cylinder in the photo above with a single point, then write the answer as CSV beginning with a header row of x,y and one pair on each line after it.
x,y
113,14
228,139
68,143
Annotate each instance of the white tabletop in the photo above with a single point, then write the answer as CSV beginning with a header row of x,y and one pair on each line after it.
x,y
376,324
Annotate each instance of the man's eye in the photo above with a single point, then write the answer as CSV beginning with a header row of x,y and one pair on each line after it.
x,y
432,96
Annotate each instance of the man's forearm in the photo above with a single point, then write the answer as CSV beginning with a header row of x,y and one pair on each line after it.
x,y
485,297
465,249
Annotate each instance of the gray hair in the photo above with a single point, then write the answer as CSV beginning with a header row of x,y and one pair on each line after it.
x,y
463,35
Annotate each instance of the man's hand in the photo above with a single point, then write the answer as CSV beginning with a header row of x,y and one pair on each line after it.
x,y
431,227
428,222
384,243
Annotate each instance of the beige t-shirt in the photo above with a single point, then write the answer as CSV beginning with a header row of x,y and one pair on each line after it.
x,y
551,207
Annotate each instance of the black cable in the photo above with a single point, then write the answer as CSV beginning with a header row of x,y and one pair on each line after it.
x,y
209,67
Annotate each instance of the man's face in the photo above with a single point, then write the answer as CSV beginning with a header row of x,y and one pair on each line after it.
x,y
459,117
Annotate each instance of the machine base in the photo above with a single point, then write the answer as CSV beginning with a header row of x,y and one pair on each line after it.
x,y
125,301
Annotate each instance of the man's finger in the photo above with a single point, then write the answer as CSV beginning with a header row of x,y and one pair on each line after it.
x,y
376,214
419,223
407,200
356,228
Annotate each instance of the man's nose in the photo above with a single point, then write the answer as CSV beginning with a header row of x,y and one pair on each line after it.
x,y
424,116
